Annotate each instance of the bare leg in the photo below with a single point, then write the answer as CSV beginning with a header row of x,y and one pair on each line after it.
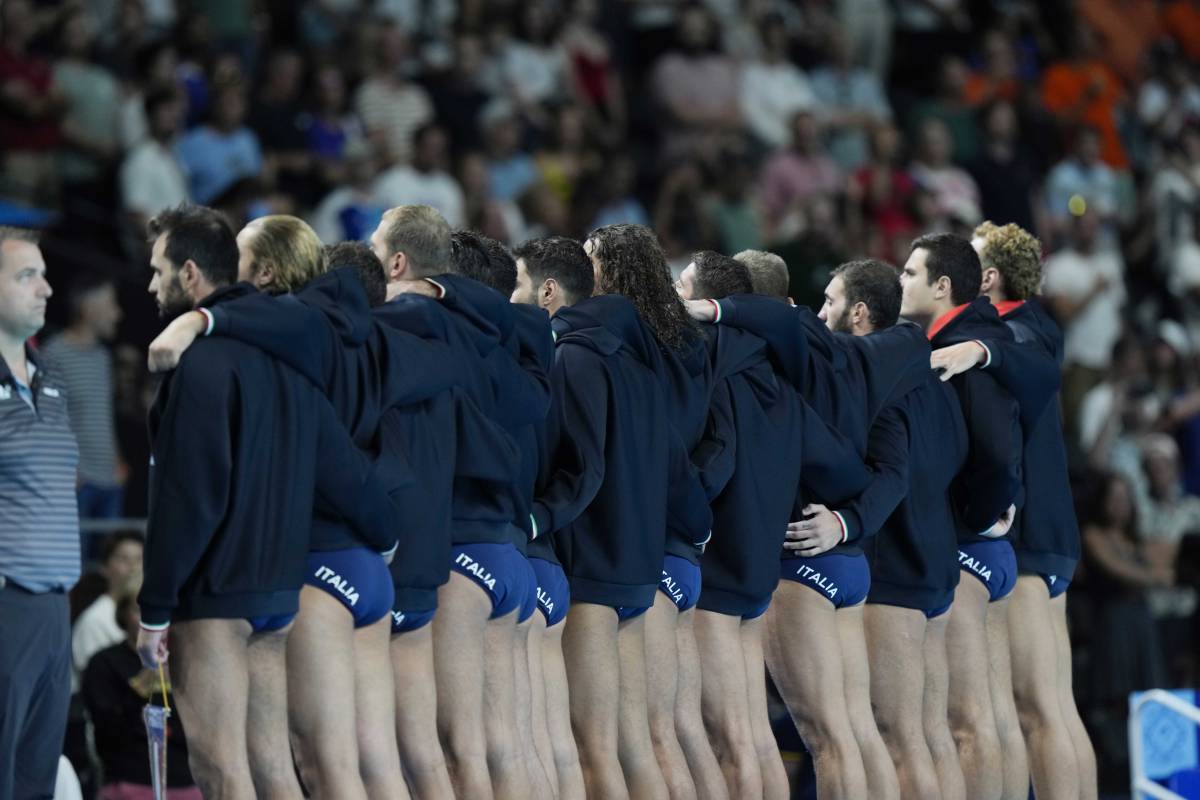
x,y
1085,756
558,715
534,706
770,763
881,774
634,744
378,751
209,676
725,697
541,783
506,749
589,646
416,715
936,714
1015,763
689,716
896,649
267,734
805,659
1035,677
662,668
972,720
459,628
320,686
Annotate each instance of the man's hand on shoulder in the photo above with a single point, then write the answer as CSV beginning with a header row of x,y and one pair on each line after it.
x,y
170,345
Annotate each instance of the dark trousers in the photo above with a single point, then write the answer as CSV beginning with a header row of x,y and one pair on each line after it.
x,y
35,691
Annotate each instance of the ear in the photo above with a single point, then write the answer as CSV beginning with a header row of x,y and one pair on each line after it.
x,y
189,274
991,276
548,292
265,276
859,313
398,267
942,287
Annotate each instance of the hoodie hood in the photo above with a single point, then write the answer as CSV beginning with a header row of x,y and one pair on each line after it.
x,y
733,350
340,296
606,324
489,316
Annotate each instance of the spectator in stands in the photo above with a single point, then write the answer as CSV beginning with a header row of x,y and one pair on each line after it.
x,y
81,357
796,174
852,102
774,88
97,627
281,122
681,220
351,211
1003,171
592,69
1082,90
1118,411
1181,19
30,106
392,108
736,216
155,68
498,219
427,182
696,85
882,194
151,177
459,97
217,155
1169,99
332,128
91,120
617,202
115,689
997,79
1174,196
1125,30
510,169
531,68
949,107
1083,177
1085,286
568,155
956,197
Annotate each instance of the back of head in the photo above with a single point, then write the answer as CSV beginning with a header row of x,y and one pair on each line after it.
x,y
363,260
768,272
202,235
952,257
875,284
1016,254
562,260
632,263
719,276
480,258
289,248
422,234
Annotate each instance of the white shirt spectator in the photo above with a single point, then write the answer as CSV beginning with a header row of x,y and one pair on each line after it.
x,y
404,185
152,179
771,95
95,630
1089,338
393,111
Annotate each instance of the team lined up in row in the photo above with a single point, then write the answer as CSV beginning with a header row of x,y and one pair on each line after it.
x,y
620,481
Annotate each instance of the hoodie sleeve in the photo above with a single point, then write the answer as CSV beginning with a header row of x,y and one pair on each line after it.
x,y
414,369
283,327
1029,373
893,360
714,456
533,345
887,458
576,452
778,324
689,517
352,486
831,469
991,479
192,459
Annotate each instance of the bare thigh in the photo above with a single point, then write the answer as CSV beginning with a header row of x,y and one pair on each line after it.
x,y
378,751
643,776
972,718
770,762
662,688
689,716
593,677
558,715
936,713
725,701
267,724
416,715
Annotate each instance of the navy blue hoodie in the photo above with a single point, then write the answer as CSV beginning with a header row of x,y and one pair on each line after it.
x,y
242,447
608,467
325,331
991,479
914,559
1046,537
770,436
846,380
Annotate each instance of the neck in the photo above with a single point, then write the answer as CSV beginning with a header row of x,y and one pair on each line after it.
x,y
12,350
936,312
202,290
80,334
996,296
554,305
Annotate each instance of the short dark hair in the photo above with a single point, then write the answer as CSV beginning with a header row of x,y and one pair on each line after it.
x,y
563,260
81,287
201,234
719,276
952,257
362,259
475,256
116,540
875,284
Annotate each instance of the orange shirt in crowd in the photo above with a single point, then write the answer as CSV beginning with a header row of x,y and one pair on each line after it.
x,y
981,89
1066,86
1126,29
1181,20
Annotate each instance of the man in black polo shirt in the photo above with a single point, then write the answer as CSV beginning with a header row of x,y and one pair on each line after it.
x,y
39,532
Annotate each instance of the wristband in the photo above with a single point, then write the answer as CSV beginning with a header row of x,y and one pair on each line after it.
x,y
716,310
209,321
987,353
154,628
845,529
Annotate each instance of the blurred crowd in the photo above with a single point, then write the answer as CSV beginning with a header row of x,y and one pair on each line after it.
x,y
819,129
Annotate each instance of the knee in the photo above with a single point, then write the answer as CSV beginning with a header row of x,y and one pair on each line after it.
x,y
976,731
